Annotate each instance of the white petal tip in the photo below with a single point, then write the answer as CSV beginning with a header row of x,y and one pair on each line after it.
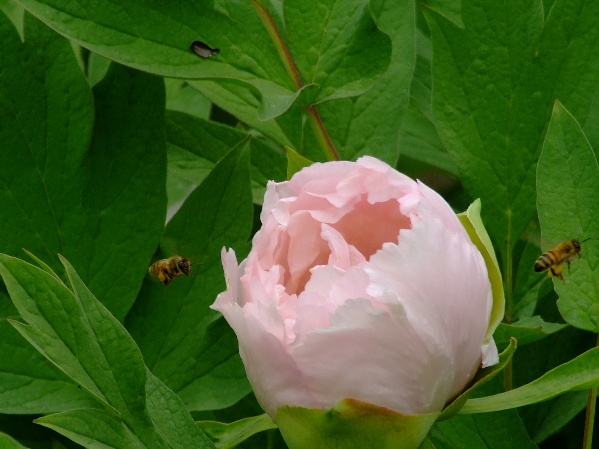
x,y
489,353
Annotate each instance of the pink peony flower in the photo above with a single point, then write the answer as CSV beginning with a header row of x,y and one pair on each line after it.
x,y
362,284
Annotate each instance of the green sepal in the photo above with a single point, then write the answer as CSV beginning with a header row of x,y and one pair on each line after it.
x,y
482,377
475,228
352,424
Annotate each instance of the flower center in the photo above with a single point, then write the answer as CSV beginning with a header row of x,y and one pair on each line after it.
x,y
364,229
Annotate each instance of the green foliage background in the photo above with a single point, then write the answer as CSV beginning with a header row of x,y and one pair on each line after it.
x,y
111,127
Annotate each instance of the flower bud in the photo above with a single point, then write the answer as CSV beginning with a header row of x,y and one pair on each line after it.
x,y
362,293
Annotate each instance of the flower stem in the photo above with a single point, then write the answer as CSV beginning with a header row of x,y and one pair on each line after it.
x,y
587,442
312,113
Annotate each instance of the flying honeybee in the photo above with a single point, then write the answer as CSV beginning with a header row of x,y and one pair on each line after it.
x,y
168,269
554,259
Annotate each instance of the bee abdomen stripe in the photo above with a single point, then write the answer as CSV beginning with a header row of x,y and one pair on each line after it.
x,y
545,261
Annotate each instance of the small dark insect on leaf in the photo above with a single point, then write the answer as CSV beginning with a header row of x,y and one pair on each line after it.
x,y
203,50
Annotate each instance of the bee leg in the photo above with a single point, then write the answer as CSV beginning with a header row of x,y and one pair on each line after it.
x,y
569,266
167,279
557,272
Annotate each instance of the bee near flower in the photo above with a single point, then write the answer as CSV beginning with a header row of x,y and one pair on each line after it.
x,y
553,260
169,269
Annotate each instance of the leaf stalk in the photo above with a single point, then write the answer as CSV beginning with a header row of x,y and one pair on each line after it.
x,y
314,118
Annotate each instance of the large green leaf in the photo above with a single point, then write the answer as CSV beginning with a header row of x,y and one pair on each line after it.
x,y
78,334
567,185
156,37
61,195
485,110
66,191
31,384
370,124
494,82
336,46
185,343
418,139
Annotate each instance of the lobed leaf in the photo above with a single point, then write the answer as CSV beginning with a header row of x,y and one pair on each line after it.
x,y
78,334
66,192
494,82
336,46
370,123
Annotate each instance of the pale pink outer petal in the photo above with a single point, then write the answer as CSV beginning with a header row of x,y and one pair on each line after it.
x,y
273,374
378,358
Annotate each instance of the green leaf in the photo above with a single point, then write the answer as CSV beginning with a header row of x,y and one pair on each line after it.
x,y
529,286
182,97
226,436
243,102
494,83
195,353
196,145
157,38
578,374
77,333
66,191
567,210
489,431
370,124
15,13
6,442
94,429
53,200
418,137
295,162
559,412
336,47
525,330
496,430
485,110
29,384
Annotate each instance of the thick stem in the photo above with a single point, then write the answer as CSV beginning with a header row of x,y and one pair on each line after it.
x,y
587,442
313,116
